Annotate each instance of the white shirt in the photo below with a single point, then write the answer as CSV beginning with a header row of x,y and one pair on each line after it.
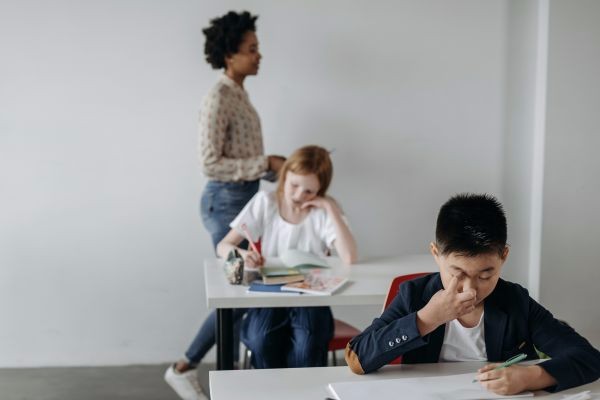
x,y
464,344
314,234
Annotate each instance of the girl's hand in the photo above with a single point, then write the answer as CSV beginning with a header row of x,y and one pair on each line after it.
x,y
505,381
252,259
320,202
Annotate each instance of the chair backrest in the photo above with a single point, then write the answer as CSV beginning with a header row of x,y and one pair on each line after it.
x,y
395,286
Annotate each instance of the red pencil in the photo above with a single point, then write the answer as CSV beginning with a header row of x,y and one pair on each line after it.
x,y
248,238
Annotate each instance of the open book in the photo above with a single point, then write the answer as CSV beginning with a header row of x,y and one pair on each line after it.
x,y
315,283
290,267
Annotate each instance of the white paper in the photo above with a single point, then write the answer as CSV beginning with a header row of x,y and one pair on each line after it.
x,y
450,387
578,396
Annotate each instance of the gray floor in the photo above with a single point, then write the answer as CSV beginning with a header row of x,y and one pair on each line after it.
x,y
91,383
134,382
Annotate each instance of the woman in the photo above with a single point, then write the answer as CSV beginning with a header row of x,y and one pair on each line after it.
x,y
231,152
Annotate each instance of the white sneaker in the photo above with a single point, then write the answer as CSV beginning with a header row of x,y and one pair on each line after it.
x,y
185,384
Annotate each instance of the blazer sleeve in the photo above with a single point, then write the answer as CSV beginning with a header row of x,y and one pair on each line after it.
x,y
574,361
391,335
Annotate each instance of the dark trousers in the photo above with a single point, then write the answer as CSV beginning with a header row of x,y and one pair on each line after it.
x,y
288,337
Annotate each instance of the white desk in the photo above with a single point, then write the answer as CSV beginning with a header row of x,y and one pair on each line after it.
x,y
368,284
311,383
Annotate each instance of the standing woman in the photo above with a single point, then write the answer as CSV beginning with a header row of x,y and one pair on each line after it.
x,y
233,160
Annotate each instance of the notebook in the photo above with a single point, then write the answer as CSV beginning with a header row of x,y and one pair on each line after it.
x,y
451,387
290,267
259,287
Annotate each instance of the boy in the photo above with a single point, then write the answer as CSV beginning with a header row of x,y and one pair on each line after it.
x,y
466,312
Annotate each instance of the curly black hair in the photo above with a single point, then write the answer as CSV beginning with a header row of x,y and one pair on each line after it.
x,y
224,35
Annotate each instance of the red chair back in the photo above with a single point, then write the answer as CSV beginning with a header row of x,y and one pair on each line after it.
x,y
393,291
395,286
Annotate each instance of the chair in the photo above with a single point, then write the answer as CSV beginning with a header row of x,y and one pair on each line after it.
x,y
393,291
342,333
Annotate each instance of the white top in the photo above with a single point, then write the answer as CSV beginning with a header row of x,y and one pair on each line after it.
x,y
464,344
314,234
231,144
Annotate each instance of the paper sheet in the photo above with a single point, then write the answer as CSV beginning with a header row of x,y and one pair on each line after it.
x,y
450,387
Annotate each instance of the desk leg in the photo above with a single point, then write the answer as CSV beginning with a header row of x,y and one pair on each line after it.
x,y
224,337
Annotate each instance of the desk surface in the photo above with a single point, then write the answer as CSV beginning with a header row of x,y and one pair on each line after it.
x,y
368,284
311,383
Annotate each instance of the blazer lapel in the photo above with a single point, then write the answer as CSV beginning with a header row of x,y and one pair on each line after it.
x,y
494,321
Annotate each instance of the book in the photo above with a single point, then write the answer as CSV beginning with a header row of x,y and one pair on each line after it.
x,y
291,266
281,279
323,285
259,287
302,260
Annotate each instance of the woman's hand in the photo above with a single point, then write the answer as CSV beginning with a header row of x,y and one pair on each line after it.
x,y
275,162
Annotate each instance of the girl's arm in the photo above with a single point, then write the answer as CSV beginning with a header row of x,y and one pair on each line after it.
x,y
345,245
231,241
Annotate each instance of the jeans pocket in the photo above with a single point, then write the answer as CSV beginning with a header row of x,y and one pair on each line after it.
x,y
208,211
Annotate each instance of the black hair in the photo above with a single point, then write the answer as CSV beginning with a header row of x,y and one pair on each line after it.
x,y
470,225
224,35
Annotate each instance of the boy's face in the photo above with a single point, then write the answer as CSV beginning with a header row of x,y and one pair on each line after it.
x,y
480,273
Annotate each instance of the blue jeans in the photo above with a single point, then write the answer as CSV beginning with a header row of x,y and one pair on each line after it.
x,y
288,337
221,202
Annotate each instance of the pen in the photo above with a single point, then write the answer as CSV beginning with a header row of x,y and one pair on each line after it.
x,y
509,362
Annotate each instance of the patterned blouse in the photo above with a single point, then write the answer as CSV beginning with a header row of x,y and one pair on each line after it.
x,y
230,145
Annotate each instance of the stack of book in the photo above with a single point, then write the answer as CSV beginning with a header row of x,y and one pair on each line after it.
x,y
276,276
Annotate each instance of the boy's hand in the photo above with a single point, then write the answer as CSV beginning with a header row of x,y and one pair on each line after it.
x,y
514,379
505,381
446,305
252,259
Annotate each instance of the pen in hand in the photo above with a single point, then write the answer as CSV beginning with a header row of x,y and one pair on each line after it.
x,y
249,238
509,362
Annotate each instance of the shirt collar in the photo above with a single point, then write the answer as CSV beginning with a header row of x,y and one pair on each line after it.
x,y
231,83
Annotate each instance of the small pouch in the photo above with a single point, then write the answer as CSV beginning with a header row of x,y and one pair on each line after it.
x,y
234,267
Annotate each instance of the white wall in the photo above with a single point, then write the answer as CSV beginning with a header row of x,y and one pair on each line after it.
x,y
524,139
570,270
100,240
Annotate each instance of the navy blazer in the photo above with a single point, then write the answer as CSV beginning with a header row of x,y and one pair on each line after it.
x,y
513,324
